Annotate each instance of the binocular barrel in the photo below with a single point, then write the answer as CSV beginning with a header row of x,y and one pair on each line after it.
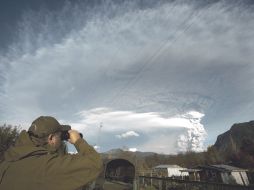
x,y
65,135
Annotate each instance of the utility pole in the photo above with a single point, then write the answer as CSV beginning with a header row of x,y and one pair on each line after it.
x,y
98,136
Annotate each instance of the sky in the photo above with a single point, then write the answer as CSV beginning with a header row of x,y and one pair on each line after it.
x,y
147,75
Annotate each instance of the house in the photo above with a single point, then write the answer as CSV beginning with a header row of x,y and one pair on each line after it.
x,y
169,171
220,174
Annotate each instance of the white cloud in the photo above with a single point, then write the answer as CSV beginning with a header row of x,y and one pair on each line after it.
x,y
133,149
150,120
128,134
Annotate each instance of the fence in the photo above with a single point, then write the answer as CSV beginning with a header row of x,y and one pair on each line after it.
x,y
157,183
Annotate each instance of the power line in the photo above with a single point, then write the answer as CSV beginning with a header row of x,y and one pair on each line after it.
x,y
125,86
150,60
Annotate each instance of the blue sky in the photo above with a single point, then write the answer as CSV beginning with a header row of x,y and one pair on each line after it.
x,y
162,76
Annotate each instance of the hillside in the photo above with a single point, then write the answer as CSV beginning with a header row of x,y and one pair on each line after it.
x,y
237,144
234,139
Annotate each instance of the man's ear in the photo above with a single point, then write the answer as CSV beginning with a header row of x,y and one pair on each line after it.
x,y
50,137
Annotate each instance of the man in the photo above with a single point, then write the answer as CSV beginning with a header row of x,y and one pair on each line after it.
x,y
37,163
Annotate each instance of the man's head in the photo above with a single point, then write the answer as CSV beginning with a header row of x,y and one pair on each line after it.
x,y
48,128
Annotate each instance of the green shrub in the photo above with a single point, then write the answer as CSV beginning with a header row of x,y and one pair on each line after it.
x,y
8,135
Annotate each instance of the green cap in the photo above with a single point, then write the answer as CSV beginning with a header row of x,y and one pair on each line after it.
x,y
45,125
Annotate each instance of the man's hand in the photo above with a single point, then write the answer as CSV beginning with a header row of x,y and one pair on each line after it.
x,y
74,136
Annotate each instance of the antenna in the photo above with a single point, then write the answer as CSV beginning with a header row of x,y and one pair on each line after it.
x,y
99,132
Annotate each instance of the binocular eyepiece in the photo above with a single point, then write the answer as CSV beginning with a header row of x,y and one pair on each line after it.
x,y
65,135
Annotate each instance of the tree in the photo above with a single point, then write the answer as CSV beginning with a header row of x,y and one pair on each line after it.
x,y
213,156
8,136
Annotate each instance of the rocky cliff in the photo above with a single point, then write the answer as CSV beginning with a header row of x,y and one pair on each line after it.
x,y
240,138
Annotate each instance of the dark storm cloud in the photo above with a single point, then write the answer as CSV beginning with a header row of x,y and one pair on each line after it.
x,y
11,13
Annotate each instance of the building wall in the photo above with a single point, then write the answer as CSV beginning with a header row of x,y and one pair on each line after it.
x,y
245,178
211,175
250,175
194,176
237,177
161,172
176,172
241,178
225,178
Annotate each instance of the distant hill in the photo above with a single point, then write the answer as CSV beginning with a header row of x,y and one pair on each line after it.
x,y
118,151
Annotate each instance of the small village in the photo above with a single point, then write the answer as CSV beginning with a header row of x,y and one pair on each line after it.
x,y
212,176
120,174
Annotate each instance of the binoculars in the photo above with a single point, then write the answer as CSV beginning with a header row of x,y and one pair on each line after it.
x,y
65,135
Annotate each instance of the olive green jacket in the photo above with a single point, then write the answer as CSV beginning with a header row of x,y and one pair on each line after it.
x,y
27,167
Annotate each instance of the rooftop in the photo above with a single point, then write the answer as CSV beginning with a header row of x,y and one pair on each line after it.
x,y
167,166
221,167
